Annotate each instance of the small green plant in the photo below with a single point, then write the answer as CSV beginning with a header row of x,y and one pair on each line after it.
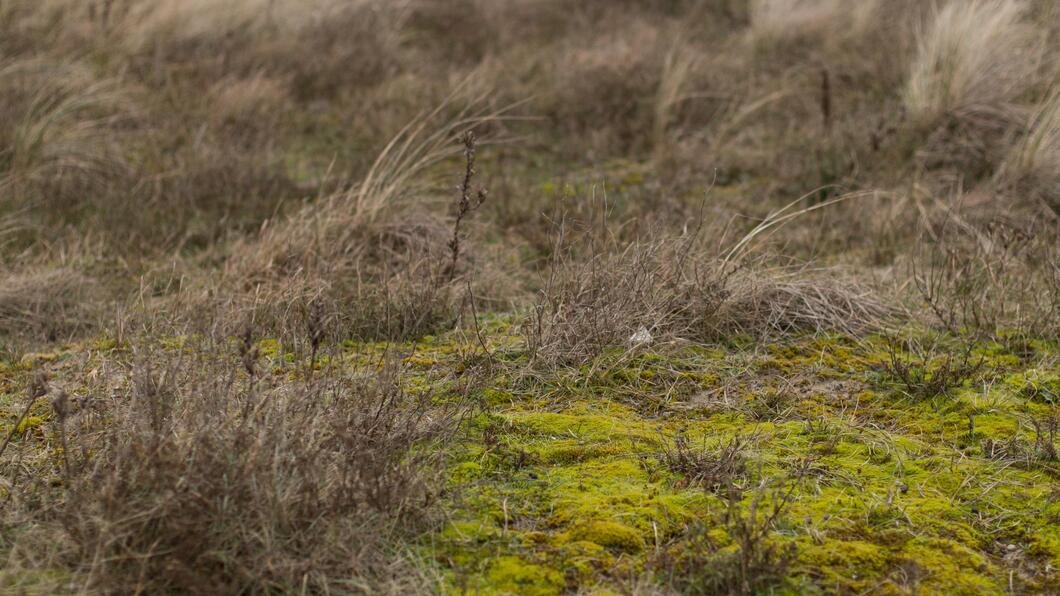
x,y
716,469
1045,431
927,374
742,559
770,404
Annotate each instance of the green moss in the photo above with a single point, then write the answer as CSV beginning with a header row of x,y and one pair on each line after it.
x,y
1038,385
105,344
512,575
952,568
269,348
609,534
1046,544
844,565
466,472
496,397
35,360
30,423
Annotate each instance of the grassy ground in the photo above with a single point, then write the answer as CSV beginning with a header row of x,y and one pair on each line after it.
x,y
802,465
529,296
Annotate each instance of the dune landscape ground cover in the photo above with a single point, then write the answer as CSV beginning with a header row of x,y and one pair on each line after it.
x,y
530,296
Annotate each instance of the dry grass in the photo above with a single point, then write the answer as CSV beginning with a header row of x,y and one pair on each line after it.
x,y
202,473
251,101
1033,162
672,290
326,231
976,56
48,304
605,86
677,69
995,278
293,166
58,113
385,268
780,20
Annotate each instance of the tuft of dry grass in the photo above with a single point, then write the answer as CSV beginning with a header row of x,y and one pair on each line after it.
x,y
1034,163
779,20
376,252
327,231
48,304
59,144
606,86
678,66
974,57
673,289
250,101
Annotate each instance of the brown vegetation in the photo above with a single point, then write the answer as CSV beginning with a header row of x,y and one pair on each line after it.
x,y
687,171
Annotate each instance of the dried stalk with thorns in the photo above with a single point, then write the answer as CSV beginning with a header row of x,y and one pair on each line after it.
x,y
469,202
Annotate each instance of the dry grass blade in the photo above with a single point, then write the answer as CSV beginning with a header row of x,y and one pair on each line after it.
x,y
397,172
781,216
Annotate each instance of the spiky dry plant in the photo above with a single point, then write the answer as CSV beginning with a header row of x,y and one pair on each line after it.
x,y
974,57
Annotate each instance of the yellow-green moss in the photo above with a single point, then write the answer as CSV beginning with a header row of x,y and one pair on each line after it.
x,y
30,423
609,534
512,575
34,360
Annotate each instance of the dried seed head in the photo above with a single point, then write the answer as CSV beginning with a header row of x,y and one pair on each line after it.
x,y
38,387
315,325
249,352
61,405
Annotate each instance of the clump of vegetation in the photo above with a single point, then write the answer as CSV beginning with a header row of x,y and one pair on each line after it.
x,y
48,304
742,559
973,57
928,372
993,279
671,289
1030,164
207,472
717,470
